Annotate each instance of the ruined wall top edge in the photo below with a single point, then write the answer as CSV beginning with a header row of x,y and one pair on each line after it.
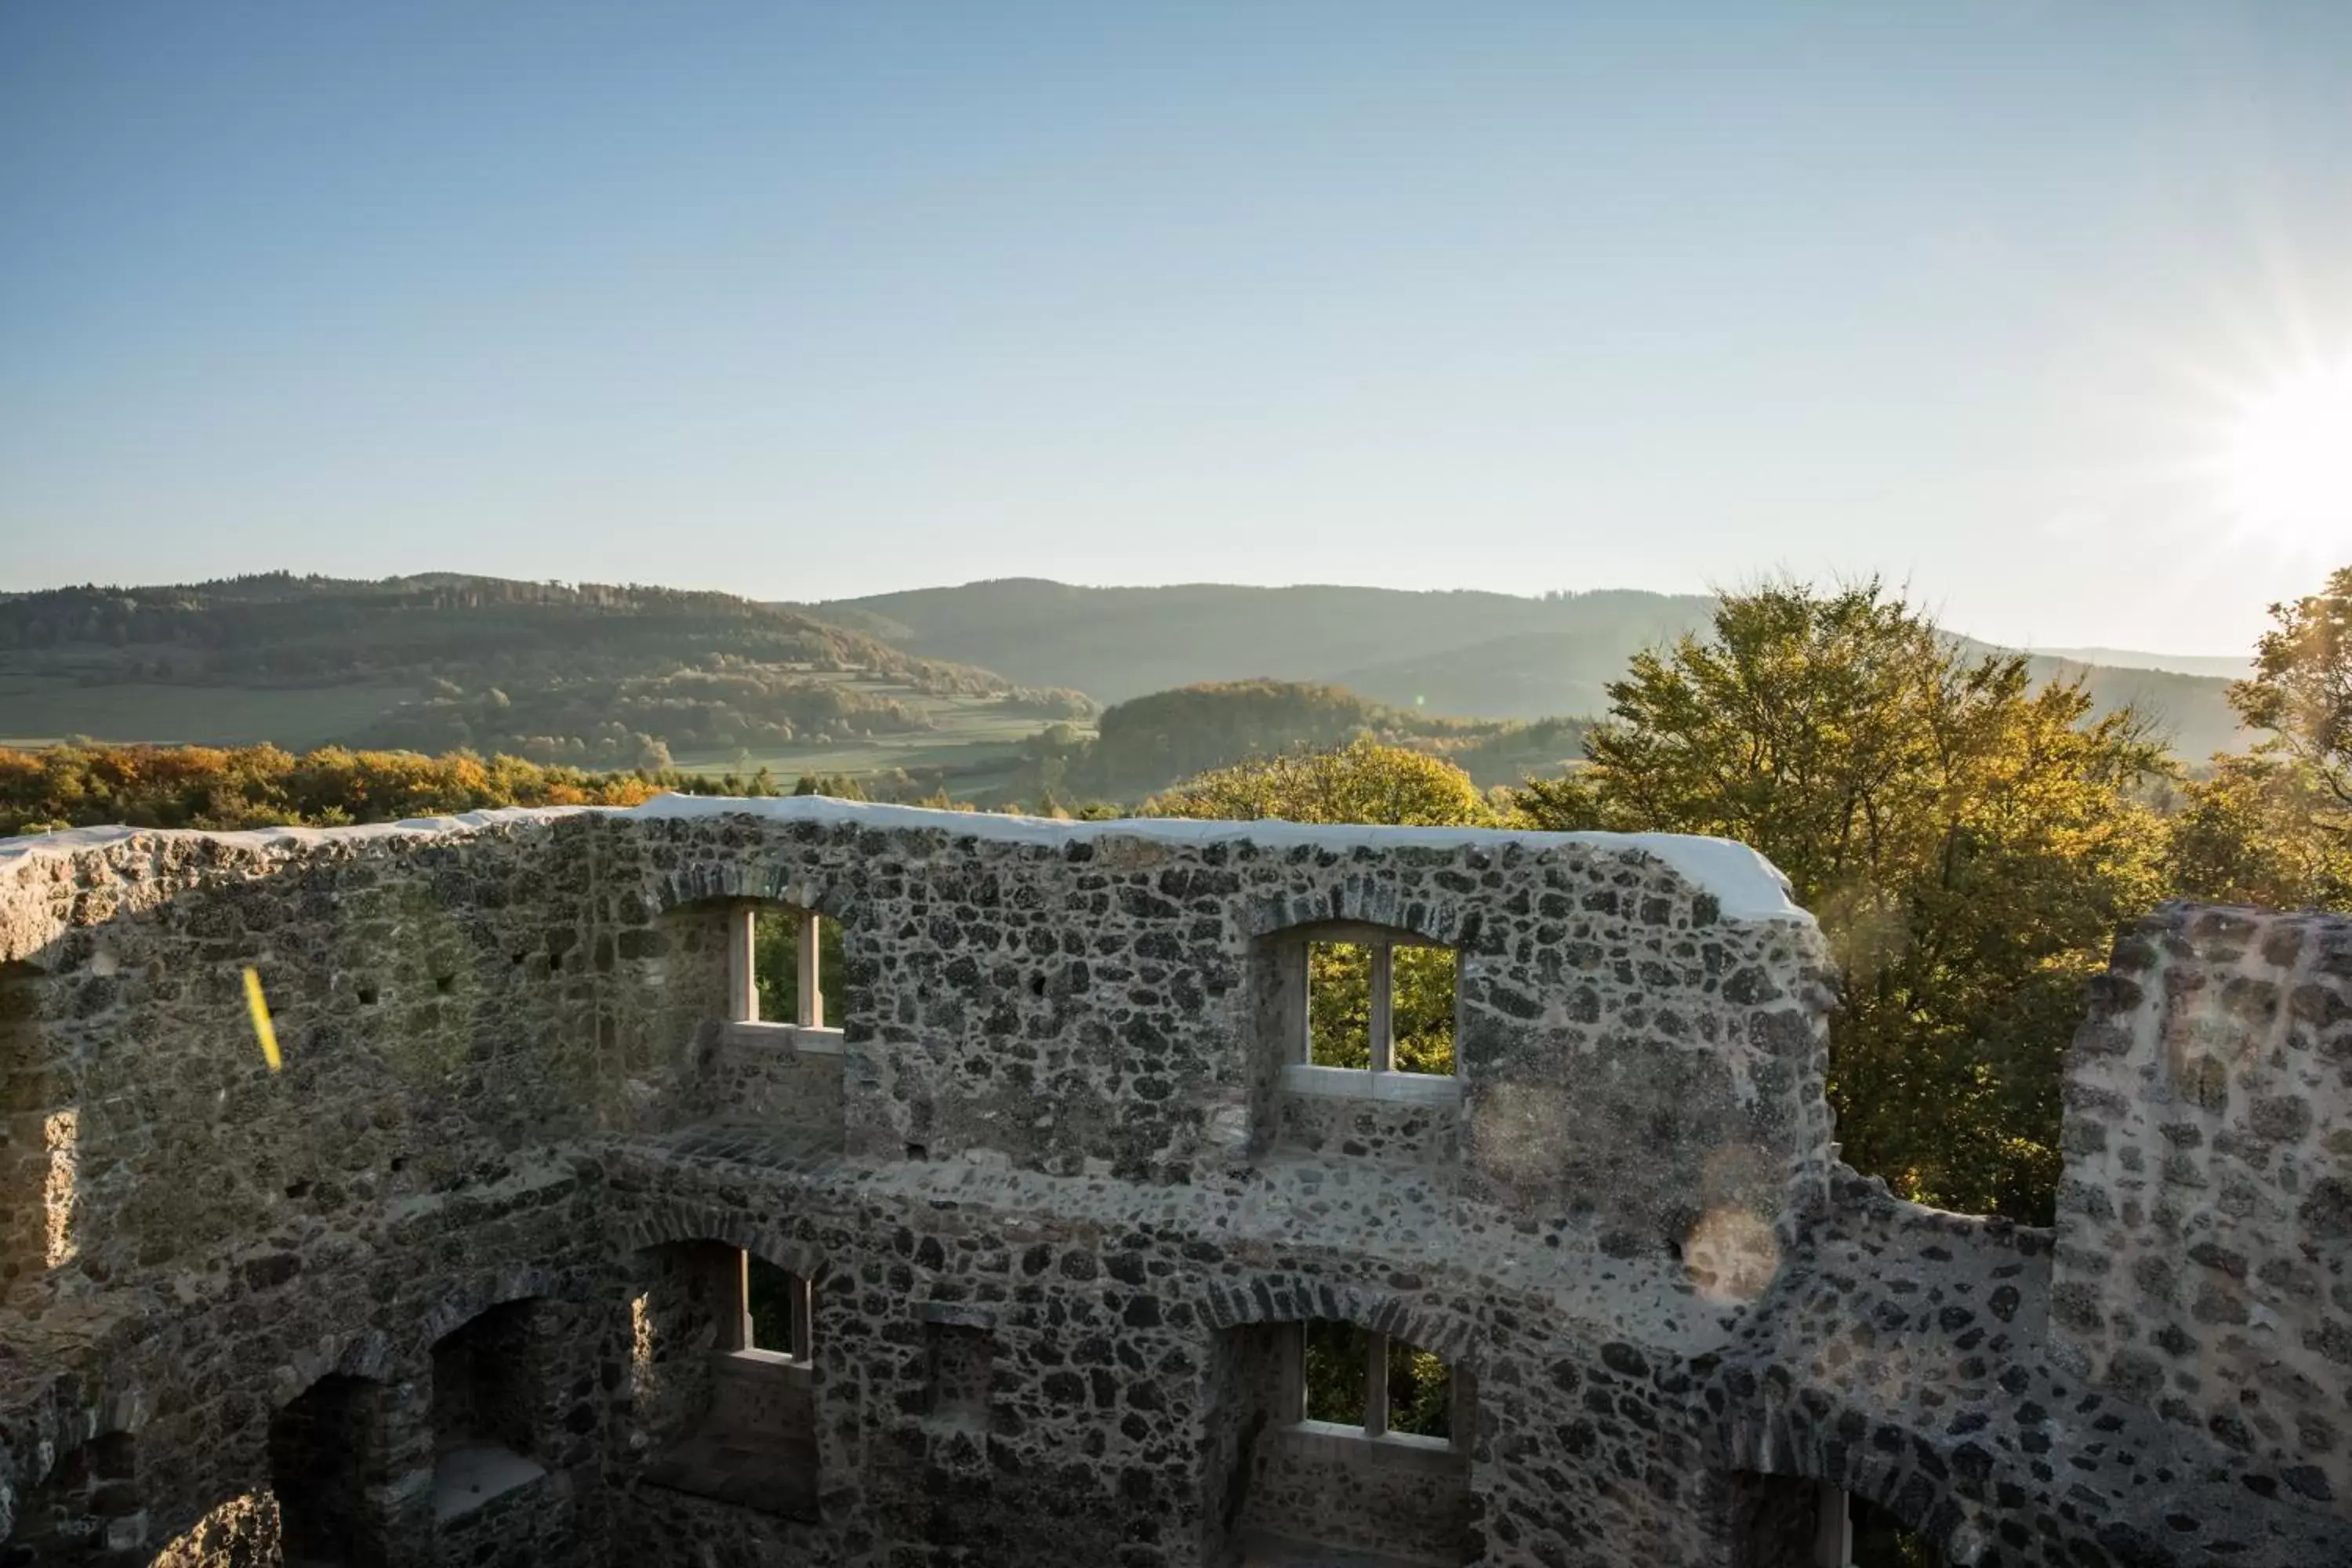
x,y
1744,884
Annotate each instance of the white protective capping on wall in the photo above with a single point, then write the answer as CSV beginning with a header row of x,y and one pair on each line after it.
x,y
1745,884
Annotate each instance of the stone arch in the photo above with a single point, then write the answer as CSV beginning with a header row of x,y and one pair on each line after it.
x,y
97,1441
462,1305
711,912
370,1354
710,1411
1274,1300
1851,1448
1272,1479
1448,920
707,1222
764,876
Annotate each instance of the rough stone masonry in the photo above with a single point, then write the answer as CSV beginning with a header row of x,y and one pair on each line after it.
x,y
542,1249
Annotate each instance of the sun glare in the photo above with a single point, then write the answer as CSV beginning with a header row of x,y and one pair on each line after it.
x,y
2288,464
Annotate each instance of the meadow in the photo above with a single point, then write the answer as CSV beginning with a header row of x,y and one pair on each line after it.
x,y
972,745
42,709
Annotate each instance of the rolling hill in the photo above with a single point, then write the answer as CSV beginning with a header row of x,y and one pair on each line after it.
x,y
1130,641
1473,655
601,675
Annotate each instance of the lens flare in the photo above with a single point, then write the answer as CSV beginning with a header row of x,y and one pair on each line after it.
x,y
2288,466
1731,1254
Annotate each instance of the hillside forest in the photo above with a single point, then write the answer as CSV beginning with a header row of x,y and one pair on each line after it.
x,y
586,674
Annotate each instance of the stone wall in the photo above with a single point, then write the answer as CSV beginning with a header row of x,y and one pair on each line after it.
x,y
2204,1264
1059,1189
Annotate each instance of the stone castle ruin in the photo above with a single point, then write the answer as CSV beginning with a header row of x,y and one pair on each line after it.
x,y
1019,1243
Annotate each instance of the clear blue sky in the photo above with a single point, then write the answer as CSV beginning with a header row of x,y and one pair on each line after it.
x,y
807,300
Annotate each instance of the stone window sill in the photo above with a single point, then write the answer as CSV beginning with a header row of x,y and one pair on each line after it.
x,y
807,1042
1405,1450
469,1476
1358,1083
770,1363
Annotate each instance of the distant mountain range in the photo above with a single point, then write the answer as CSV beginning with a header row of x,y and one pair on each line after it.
x,y
2228,667
1475,654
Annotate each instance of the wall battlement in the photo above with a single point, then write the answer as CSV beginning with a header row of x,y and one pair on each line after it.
x,y
540,1249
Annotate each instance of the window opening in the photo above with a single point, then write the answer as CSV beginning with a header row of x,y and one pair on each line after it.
x,y
775,1309
1875,1538
777,958
721,1384
1381,1005
1356,1377
487,1407
1791,1521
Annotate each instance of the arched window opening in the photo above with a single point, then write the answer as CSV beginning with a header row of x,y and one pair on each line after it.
x,y
1331,1442
322,1461
489,1403
723,1377
777,960
1876,1538
1789,1521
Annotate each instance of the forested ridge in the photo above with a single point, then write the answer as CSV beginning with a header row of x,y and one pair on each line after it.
x,y
584,673
1472,654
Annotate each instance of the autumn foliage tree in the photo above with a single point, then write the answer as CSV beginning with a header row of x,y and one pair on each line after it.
x,y
2274,825
2260,828
1361,782
1970,843
259,786
2301,693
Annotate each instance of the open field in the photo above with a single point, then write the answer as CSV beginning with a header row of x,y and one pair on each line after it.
x,y
972,741
41,709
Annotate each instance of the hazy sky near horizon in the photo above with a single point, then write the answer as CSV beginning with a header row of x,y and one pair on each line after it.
x,y
805,301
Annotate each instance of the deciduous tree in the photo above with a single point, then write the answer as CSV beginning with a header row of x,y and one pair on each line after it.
x,y
1969,843
1362,782
2302,692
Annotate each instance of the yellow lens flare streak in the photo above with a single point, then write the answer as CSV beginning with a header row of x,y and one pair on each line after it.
x,y
263,1028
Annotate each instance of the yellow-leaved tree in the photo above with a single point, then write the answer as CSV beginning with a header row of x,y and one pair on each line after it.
x,y
1361,782
1971,845
2274,825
